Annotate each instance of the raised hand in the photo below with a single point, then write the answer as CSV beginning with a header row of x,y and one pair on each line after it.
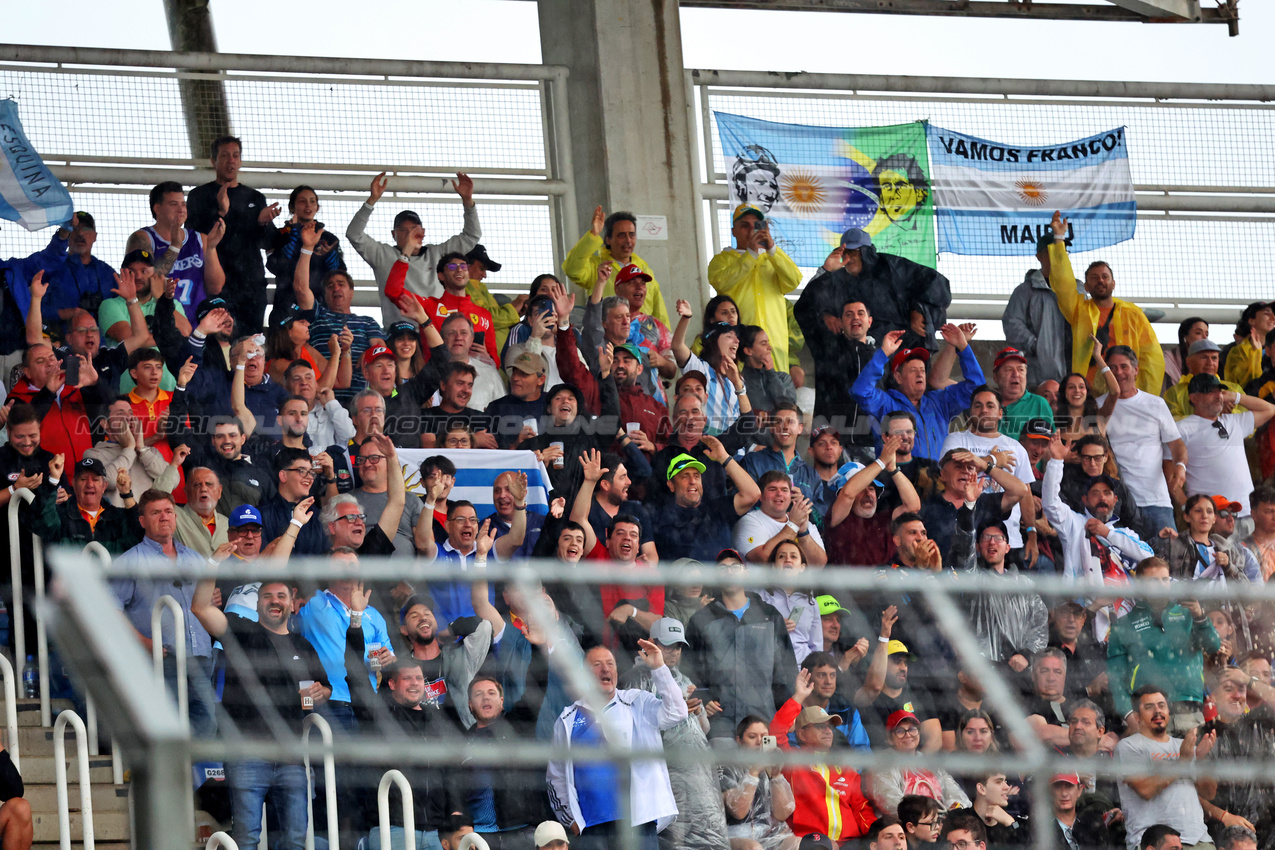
x,y
563,303
486,537
604,273
1005,459
225,550
954,336
1057,451
799,513
123,481
187,372
126,285
268,214
557,507
591,463
302,513
360,599
715,450
411,307
803,687
57,464
415,239
891,342
223,199
835,260
969,329
889,449
518,488
180,454
652,656
377,189
889,617
598,222
38,286
463,185
88,375
683,308
1059,224
213,322
30,482
215,235
606,356
311,233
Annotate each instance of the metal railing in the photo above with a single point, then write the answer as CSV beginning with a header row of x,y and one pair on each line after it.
x,y
179,650
17,614
11,711
220,841
86,787
383,808
317,721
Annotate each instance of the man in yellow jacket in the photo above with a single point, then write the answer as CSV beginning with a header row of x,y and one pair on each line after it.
x,y
1099,314
611,239
757,275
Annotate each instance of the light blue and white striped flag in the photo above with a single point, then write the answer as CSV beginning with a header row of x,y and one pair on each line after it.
x,y
996,199
476,471
29,193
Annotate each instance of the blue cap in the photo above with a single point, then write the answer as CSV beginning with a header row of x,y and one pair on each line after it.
x,y
855,238
245,515
850,467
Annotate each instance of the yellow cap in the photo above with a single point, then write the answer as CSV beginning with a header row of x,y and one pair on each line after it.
x,y
746,208
894,647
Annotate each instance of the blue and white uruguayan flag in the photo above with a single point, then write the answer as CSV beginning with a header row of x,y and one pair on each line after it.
x,y
29,193
996,199
476,471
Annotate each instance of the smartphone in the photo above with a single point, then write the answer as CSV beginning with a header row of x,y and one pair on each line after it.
x,y
72,370
768,743
763,225
705,695
795,616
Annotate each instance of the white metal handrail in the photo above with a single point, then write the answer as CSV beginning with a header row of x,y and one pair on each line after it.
x,y
179,650
17,615
10,710
220,839
90,711
312,721
86,788
383,808
41,632
95,548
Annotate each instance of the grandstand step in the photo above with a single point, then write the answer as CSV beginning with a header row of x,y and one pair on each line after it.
x,y
106,798
38,741
38,770
76,845
107,826
29,711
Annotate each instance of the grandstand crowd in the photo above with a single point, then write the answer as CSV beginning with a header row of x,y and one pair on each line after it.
x,y
167,409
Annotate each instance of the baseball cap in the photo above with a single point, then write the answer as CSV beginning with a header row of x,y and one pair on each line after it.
x,y
689,375
1222,503
138,255
1202,345
828,605
851,467
855,238
550,831
525,361
375,352
1071,604
404,327
817,841
897,647
290,315
823,430
668,631
631,272
1007,354
406,215
632,350
716,329
681,463
1069,778
903,355
90,464
86,220
1038,429
744,209
208,305
898,717
810,715
1101,479
1204,383
414,600
479,253
729,553
245,515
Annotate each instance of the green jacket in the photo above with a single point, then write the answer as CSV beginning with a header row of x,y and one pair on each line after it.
x,y
117,528
1165,650
1030,406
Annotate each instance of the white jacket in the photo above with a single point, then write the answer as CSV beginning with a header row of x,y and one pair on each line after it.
x,y
637,717
330,425
421,275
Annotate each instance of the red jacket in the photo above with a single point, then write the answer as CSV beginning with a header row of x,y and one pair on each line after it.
x,y
635,404
65,428
814,785
440,308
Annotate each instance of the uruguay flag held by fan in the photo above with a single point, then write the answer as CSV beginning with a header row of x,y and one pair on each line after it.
x,y
29,193
996,199
476,471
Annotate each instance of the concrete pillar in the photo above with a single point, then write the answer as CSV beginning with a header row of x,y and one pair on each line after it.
x,y
190,30
631,138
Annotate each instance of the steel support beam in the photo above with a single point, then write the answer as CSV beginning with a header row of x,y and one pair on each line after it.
x,y
1124,11
190,29
1186,10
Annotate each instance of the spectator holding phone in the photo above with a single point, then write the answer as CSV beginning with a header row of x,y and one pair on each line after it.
x,y
758,799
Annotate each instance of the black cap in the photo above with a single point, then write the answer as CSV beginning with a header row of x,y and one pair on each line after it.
x,y
406,215
1038,428
414,600
86,220
479,253
1101,479
401,328
1204,383
208,305
817,841
138,255
92,465
290,315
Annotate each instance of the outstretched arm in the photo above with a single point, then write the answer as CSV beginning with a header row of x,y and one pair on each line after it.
x,y
478,593
681,350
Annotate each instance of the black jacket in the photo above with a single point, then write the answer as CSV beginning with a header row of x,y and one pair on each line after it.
x,y
518,793
838,361
117,528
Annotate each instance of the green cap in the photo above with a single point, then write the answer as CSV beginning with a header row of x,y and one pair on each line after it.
x,y
828,605
681,463
633,350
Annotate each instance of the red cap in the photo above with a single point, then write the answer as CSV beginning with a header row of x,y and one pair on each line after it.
x,y
903,355
374,352
898,717
1221,503
632,272
1071,778
1005,355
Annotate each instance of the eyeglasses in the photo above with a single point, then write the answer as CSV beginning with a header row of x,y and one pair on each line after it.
x,y
906,730
1224,514
1099,456
246,532
1221,430
934,822
352,518
87,330
454,267
303,471
371,459
989,538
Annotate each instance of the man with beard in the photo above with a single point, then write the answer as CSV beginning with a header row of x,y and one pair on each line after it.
x,y
200,526
858,524
527,374
1164,642
637,406
265,656
332,473
1242,734
782,454
329,422
886,690
826,459
900,295
839,356
1095,545
455,392
1169,800
246,480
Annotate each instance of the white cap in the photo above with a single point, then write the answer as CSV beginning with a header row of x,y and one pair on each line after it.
x,y
550,831
667,631
472,841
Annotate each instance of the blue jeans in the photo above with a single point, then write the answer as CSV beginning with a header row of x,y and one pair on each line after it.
x,y
201,701
1157,517
249,783
425,840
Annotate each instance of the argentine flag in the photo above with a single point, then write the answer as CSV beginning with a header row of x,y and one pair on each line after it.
x,y
996,199
29,193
